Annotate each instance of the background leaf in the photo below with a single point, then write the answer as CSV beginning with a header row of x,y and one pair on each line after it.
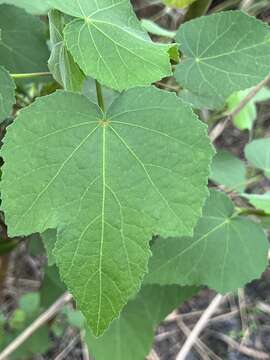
x,y
61,64
23,49
222,242
220,58
228,170
7,94
36,7
130,337
178,3
260,201
257,153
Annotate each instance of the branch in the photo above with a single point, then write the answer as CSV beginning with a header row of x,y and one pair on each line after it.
x,y
199,327
40,321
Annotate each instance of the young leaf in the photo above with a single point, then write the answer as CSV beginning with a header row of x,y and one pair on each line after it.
x,y
108,182
229,171
131,336
178,3
23,49
7,94
36,7
261,201
61,64
221,244
258,154
245,119
219,57
107,41
153,28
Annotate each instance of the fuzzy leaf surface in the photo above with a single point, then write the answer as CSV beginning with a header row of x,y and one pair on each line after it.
x,y
7,94
131,336
23,48
220,58
222,242
107,182
108,42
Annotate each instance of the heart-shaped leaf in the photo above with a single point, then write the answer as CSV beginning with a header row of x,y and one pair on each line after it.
x,y
107,182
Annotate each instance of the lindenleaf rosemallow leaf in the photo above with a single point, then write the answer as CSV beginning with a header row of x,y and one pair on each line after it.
x,y
220,58
109,44
107,182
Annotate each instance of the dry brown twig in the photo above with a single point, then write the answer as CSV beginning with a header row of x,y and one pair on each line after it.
x,y
201,324
31,329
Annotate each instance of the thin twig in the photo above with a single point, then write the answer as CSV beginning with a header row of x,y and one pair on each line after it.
x,y
256,354
40,321
68,348
201,348
201,324
85,351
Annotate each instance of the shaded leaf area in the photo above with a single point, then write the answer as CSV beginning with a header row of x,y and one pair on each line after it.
x,y
228,170
61,64
131,336
108,42
7,94
257,153
219,58
23,49
259,201
108,182
222,242
36,7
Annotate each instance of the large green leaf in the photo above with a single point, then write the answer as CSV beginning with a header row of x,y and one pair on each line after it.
x,y
23,46
108,182
61,63
220,58
37,7
7,94
131,336
258,154
229,171
226,251
109,44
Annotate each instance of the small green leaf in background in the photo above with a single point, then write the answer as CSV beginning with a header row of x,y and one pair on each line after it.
x,y
61,64
219,58
257,153
7,94
245,119
116,50
228,170
260,201
29,303
221,244
36,7
178,3
23,49
17,319
74,317
155,29
127,174
131,336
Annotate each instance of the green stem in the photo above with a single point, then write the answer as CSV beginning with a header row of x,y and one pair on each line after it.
x,y
29,75
197,9
100,96
249,211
